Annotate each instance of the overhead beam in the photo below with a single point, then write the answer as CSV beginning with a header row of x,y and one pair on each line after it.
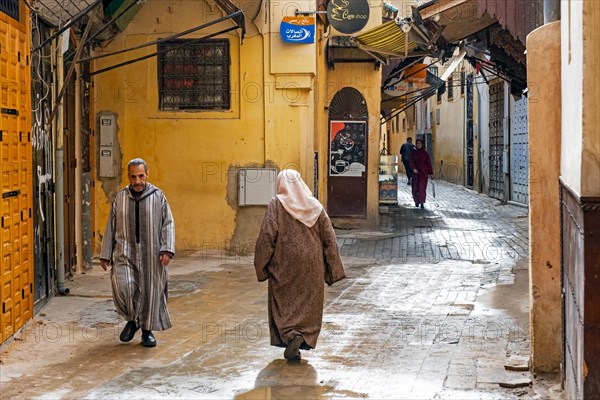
x,y
68,24
440,7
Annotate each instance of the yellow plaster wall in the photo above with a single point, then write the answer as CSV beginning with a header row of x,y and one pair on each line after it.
x,y
543,72
278,118
367,80
449,135
322,97
188,153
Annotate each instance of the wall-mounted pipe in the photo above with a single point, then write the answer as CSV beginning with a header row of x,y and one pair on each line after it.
x,y
78,186
551,11
59,199
390,7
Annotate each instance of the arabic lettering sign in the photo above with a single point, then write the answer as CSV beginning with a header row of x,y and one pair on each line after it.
x,y
298,29
348,16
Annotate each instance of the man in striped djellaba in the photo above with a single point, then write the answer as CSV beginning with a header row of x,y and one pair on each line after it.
x,y
139,242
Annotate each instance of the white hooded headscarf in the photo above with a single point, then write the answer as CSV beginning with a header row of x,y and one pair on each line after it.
x,y
297,198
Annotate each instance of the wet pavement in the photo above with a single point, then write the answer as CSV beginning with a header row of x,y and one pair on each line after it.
x,y
434,306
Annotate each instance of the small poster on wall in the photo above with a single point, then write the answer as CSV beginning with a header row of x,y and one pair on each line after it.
x,y
347,148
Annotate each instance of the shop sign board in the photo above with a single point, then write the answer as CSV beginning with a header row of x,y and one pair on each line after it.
x,y
298,29
348,16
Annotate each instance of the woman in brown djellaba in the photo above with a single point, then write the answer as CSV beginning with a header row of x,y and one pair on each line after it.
x,y
297,252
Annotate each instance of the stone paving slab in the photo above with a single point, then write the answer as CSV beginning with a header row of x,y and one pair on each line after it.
x,y
434,304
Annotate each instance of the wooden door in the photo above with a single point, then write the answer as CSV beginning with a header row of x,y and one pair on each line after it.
x,y
347,166
16,250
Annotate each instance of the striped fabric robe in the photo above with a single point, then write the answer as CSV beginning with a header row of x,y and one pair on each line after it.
x,y
136,233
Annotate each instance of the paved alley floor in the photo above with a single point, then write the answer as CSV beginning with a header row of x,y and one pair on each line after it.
x,y
435,305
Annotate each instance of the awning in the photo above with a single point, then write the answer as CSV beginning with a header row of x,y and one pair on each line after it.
x,y
386,41
408,94
340,49
460,18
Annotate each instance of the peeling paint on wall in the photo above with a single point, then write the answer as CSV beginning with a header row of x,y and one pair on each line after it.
x,y
248,218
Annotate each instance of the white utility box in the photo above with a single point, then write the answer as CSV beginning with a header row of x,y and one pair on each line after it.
x,y
256,186
107,127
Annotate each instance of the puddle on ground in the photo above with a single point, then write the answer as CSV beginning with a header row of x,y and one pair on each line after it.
x,y
286,392
512,298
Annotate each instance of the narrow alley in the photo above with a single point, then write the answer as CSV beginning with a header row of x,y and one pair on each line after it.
x,y
435,305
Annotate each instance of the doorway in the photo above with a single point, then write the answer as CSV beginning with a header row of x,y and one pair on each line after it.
x,y
497,140
347,166
70,163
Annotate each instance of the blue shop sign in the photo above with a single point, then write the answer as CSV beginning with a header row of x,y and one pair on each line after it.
x,y
298,29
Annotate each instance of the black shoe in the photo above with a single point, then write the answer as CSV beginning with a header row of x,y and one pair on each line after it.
x,y
417,205
148,339
422,206
409,183
129,331
292,351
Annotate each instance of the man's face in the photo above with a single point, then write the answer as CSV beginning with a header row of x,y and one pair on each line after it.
x,y
138,177
419,144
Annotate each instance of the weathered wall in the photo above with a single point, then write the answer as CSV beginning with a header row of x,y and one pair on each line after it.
x,y
543,66
194,156
483,135
572,82
449,138
367,80
580,185
590,180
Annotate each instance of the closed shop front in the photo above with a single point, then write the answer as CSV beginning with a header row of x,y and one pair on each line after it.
x,y
16,247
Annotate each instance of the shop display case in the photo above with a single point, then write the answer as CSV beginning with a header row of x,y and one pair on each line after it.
x,y
388,179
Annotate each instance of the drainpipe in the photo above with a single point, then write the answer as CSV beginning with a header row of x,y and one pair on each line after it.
x,y
465,160
59,182
86,223
78,189
551,11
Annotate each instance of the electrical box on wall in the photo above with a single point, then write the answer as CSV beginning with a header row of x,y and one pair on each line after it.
x,y
107,127
256,186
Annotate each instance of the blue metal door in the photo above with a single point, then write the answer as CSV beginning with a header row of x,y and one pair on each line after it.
x,y
519,172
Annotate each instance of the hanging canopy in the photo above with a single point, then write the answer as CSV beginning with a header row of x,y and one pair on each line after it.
x,y
387,41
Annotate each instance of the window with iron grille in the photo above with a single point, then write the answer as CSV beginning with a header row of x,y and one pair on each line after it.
x,y
462,83
194,75
450,87
10,8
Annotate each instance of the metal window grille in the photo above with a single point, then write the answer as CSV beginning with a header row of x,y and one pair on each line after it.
x,y
462,83
450,87
10,8
194,75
